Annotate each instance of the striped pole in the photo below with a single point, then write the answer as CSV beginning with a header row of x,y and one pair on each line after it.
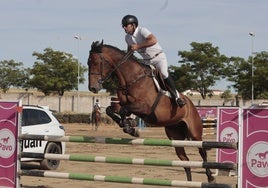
x,y
145,141
137,161
122,179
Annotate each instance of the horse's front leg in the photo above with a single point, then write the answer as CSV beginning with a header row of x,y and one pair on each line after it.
x,y
127,123
115,116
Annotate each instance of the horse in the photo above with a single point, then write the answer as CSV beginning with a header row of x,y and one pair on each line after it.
x,y
95,118
138,94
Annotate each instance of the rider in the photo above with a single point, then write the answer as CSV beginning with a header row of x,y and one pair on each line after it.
x,y
142,40
97,105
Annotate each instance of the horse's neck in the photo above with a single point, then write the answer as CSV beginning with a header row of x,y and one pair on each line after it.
x,y
126,70
129,71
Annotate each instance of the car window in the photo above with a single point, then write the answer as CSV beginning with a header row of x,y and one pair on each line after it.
x,y
34,117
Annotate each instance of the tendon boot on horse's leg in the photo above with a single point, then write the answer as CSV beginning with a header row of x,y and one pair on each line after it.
x,y
203,154
128,124
115,116
172,89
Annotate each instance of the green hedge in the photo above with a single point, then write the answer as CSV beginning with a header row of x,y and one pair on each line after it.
x,y
80,118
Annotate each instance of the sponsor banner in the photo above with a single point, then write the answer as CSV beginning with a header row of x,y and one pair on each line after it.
x,y
8,142
209,112
255,149
228,131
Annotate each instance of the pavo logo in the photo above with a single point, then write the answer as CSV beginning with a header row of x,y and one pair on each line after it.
x,y
229,134
257,159
7,143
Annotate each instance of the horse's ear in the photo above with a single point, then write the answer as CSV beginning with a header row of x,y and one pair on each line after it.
x,y
96,46
99,44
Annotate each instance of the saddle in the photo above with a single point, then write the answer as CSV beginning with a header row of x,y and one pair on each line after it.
x,y
159,81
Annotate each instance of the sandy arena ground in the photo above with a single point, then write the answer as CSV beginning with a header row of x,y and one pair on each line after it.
x,y
108,150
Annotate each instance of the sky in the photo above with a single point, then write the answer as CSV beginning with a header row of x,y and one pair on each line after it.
x,y
28,26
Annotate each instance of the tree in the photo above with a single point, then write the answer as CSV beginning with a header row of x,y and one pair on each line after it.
x,y
226,96
240,73
56,72
204,65
12,74
260,78
183,80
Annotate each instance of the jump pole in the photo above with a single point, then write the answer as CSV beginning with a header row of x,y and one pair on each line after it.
x,y
122,179
136,161
128,141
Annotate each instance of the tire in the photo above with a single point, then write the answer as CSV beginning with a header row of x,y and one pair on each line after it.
x,y
47,164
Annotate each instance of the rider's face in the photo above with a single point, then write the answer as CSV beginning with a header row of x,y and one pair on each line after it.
x,y
129,29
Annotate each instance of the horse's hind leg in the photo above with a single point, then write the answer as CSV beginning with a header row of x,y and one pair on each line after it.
x,y
203,154
178,133
182,155
96,124
197,136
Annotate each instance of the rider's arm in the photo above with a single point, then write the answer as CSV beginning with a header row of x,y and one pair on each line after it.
x,y
150,41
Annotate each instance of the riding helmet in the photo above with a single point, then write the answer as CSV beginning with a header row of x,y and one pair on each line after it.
x,y
129,19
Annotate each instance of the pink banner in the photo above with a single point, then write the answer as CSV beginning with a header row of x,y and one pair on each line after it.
x,y
8,143
255,149
207,112
227,131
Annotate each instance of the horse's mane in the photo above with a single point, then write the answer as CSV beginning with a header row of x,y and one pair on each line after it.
x,y
97,46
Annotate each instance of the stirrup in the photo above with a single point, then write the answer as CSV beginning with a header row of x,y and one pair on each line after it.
x,y
180,102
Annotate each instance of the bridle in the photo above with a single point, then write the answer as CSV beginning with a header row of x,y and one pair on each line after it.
x,y
104,62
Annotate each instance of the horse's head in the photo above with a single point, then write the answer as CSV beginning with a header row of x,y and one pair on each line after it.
x,y
99,67
104,60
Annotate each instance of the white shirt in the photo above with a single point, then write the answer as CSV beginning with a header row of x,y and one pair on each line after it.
x,y
97,105
138,37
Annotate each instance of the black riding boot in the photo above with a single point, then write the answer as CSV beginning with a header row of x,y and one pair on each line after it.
x,y
172,89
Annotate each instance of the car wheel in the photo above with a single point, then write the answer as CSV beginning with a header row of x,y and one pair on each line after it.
x,y
48,164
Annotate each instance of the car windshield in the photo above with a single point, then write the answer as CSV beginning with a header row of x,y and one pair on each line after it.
x,y
34,117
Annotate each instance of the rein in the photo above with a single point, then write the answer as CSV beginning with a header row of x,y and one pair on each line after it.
x,y
123,60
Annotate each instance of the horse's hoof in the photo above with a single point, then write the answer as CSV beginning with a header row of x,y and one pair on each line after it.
x,y
132,131
212,179
136,133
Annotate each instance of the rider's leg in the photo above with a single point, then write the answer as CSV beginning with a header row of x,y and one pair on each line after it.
x,y
172,89
160,62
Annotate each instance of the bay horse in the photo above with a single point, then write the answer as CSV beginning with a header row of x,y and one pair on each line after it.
x,y
95,118
139,95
